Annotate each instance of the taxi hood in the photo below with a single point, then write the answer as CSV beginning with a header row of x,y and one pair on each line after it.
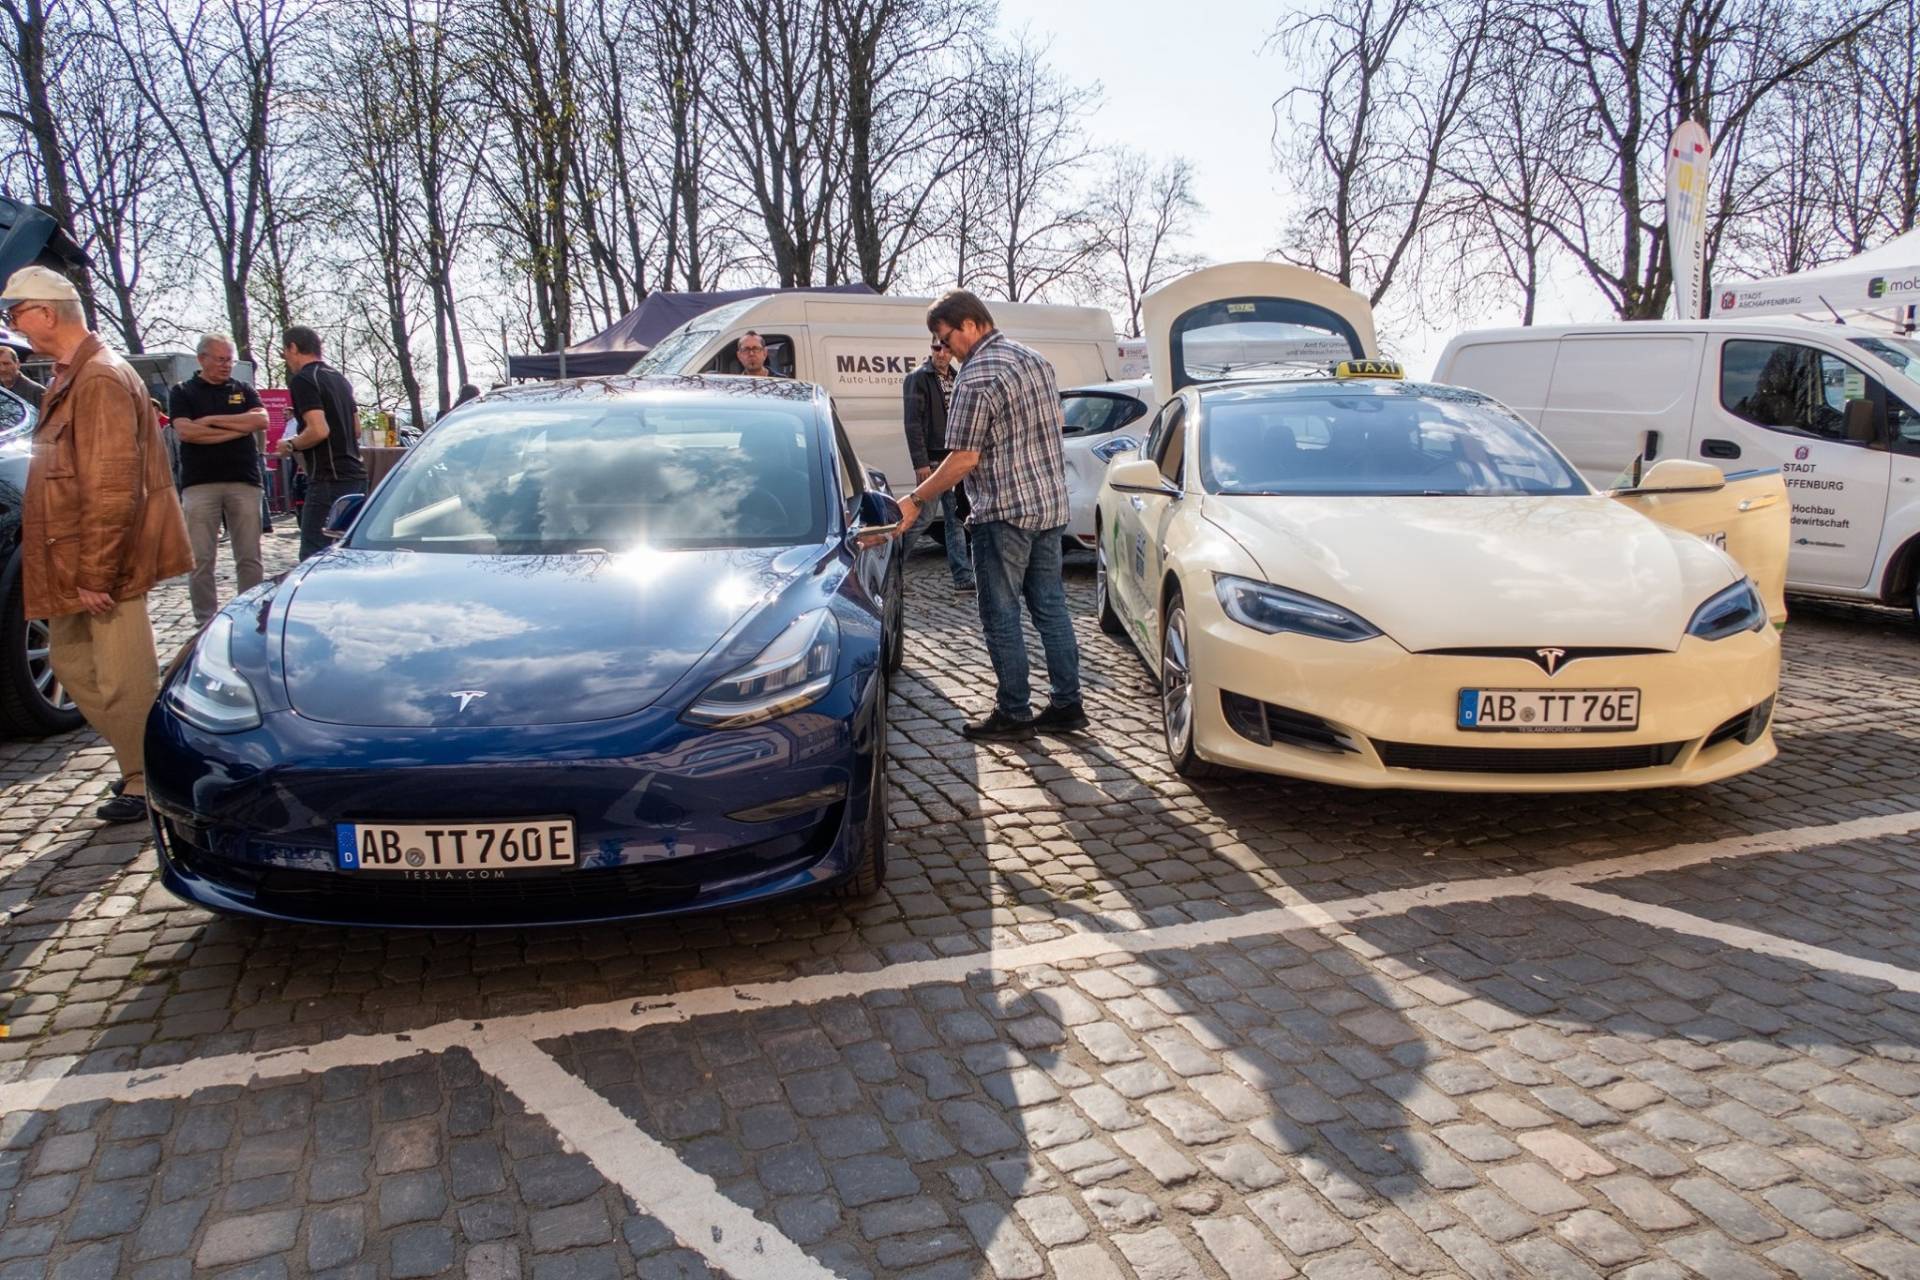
x,y
1493,572
1251,316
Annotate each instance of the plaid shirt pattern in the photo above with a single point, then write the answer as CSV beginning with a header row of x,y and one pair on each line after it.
x,y
1006,408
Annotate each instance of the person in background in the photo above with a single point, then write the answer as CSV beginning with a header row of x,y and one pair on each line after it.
x,y
216,419
1003,436
17,382
328,439
927,392
101,525
467,392
751,351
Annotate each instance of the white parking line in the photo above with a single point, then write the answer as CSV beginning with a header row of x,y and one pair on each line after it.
x,y
630,1015
1737,936
685,1201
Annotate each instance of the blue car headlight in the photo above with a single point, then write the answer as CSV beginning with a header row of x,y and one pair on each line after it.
x,y
213,695
1114,447
793,671
1729,612
1265,607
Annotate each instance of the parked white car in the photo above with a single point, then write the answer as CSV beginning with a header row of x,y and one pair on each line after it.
x,y
1340,575
1103,420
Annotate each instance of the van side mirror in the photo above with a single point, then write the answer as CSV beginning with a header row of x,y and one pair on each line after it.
x,y
1676,475
1863,421
340,515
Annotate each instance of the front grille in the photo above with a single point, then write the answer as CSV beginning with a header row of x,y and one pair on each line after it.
x,y
535,898
1410,755
1267,724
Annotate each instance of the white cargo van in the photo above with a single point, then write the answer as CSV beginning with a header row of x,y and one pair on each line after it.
x,y
1833,407
861,348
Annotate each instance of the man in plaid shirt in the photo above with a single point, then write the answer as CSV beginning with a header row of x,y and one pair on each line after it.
x,y
1003,439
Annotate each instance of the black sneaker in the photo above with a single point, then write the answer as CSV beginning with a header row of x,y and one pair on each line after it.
x,y
998,727
1057,719
123,809
965,588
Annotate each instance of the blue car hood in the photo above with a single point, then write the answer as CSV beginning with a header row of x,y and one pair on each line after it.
x,y
406,638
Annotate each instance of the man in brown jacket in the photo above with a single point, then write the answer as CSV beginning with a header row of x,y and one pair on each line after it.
x,y
101,524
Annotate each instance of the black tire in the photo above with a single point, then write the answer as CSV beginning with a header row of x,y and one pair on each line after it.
x,y
871,872
32,703
1176,694
1102,593
893,643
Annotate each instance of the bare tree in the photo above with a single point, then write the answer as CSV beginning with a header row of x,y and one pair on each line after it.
x,y
1369,133
211,75
1141,212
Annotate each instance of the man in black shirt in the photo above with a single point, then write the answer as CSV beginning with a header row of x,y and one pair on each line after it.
x,y
328,441
215,420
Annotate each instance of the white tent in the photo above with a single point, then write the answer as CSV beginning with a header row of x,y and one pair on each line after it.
x,y
1882,282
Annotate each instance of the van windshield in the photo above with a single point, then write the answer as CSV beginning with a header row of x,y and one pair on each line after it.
x,y
671,353
1899,354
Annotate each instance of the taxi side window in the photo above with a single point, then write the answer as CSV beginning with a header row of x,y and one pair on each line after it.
x,y
1168,447
1788,387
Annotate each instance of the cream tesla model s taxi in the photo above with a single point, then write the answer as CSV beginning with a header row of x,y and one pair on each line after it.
x,y
1340,575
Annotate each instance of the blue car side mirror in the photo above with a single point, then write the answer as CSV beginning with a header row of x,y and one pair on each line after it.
x,y
876,509
340,515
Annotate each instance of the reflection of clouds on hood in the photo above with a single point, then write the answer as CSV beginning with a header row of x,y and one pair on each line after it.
x,y
371,637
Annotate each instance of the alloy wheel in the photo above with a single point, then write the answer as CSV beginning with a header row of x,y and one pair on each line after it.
x,y
1099,578
40,665
1176,683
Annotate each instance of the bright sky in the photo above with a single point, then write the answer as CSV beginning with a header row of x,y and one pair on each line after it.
x,y
1203,84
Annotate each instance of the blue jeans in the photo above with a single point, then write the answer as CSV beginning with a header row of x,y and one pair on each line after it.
x,y
959,562
1013,564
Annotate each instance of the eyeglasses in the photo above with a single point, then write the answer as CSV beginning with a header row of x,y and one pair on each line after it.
x,y
753,351
939,345
13,312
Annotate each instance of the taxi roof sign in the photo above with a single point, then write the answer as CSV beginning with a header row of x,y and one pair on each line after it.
x,y
1369,369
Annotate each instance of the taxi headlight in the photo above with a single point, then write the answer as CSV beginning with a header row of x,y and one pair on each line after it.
x,y
793,671
1729,612
1265,607
213,695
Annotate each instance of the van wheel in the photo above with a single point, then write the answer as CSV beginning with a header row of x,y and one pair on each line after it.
x,y
1102,591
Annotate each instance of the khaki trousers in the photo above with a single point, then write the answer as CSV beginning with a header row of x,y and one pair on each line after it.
x,y
206,506
109,666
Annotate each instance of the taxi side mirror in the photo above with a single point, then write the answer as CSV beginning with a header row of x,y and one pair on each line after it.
x,y
1863,422
1679,474
1138,475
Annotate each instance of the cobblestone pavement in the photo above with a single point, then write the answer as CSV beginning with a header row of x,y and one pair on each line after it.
x,y
1101,1023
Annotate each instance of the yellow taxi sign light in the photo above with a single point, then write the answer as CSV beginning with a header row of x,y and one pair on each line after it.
x,y
1369,369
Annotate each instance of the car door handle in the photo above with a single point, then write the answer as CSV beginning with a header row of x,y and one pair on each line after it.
x,y
1138,504
1719,449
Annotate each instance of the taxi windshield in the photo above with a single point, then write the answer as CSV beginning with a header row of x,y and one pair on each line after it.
x,y
534,478
1398,441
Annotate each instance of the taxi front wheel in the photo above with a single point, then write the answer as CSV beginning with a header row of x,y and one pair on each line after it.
x,y
1177,694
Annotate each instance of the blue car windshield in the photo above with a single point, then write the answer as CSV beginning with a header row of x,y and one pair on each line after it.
x,y
1394,441
542,478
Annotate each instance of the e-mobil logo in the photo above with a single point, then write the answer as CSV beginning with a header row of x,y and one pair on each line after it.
x,y
1880,286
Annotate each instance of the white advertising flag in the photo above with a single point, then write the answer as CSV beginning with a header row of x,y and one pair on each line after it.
x,y
1688,156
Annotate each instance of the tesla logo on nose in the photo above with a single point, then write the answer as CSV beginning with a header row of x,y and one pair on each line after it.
x,y
467,696
1550,658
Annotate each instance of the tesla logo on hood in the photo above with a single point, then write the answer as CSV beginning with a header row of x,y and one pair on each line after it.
x,y
467,696
1550,659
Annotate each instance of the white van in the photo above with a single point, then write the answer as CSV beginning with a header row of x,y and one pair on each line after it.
x,y
1831,406
861,348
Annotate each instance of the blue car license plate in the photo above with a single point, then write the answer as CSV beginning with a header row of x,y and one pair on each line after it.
x,y
1550,710
462,850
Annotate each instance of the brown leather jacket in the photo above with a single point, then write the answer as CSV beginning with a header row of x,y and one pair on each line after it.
x,y
101,512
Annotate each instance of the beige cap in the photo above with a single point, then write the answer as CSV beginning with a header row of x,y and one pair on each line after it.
x,y
37,284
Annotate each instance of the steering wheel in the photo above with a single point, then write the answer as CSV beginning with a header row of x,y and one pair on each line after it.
x,y
762,512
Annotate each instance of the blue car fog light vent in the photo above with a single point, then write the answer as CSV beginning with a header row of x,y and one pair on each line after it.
x,y
790,673
792,806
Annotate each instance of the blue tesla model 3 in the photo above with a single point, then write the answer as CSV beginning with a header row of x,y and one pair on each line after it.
x,y
594,650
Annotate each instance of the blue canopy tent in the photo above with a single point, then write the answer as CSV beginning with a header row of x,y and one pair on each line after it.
x,y
615,348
